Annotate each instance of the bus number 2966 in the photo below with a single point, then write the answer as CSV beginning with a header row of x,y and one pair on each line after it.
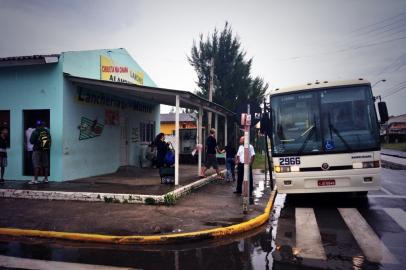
x,y
286,161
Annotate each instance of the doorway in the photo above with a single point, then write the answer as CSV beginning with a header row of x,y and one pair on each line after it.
x,y
30,118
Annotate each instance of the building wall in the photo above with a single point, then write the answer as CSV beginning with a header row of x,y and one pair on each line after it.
x,y
28,88
101,154
168,128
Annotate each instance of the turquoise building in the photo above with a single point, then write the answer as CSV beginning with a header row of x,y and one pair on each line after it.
x,y
95,129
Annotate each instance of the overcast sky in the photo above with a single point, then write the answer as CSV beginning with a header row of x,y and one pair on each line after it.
x,y
291,42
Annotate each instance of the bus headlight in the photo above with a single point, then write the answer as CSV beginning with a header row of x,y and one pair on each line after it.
x,y
282,169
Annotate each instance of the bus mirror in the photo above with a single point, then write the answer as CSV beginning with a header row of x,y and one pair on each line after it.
x,y
265,124
383,111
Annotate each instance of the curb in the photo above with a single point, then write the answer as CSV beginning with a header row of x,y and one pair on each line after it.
x,y
150,239
102,197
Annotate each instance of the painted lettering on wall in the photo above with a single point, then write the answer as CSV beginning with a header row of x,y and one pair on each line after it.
x,y
111,117
89,128
92,97
115,72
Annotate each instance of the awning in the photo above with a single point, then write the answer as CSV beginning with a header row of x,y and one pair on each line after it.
x,y
150,94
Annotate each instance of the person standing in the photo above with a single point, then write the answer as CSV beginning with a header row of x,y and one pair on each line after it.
x,y
240,167
3,152
162,148
211,150
41,139
230,161
29,147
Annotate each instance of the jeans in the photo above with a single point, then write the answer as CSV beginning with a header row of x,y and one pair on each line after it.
x,y
230,169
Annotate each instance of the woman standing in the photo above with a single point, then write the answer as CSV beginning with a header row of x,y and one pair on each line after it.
x,y
3,152
162,148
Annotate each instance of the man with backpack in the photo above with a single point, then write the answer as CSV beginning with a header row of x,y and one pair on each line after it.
x,y
41,139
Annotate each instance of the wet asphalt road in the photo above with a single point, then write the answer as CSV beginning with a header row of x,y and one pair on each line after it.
x,y
305,232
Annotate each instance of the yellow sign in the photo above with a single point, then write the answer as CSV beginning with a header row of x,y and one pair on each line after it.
x,y
110,71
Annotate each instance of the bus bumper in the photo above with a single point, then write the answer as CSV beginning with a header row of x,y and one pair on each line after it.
x,y
344,181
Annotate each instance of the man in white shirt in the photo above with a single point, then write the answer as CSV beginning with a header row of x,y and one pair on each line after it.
x,y
240,166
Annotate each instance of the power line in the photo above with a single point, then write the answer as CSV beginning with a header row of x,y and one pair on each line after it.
x,y
400,89
379,22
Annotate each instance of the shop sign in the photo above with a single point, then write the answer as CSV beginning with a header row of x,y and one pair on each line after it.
x,y
115,72
92,97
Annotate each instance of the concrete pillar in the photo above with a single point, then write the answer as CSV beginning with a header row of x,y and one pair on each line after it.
x,y
199,140
216,124
177,142
225,131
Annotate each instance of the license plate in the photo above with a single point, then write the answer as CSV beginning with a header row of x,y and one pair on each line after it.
x,y
322,183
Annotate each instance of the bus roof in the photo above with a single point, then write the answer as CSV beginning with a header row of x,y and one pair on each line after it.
x,y
318,85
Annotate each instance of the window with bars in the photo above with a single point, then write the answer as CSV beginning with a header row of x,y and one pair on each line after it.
x,y
147,131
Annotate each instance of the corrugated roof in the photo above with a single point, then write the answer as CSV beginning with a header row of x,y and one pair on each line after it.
x,y
29,60
183,117
27,57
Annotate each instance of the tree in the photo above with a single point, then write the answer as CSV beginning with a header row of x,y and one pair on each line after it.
x,y
233,83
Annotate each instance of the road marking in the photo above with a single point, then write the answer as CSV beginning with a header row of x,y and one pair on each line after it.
x,y
373,248
386,191
308,239
14,262
398,215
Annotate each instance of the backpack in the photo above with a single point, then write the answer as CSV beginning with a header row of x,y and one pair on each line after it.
x,y
44,140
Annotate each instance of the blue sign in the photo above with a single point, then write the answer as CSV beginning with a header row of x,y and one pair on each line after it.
x,y
329,145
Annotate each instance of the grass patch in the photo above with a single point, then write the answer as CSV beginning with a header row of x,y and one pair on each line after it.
x,y
169,199
395,146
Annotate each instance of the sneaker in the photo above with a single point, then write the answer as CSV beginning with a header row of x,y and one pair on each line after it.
x,y
33,182
45,181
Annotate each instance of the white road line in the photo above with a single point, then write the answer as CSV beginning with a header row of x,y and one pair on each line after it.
x,y
308,239
398,215
386,191
373,248
14,262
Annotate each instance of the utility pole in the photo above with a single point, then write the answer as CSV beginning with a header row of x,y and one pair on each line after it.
x,y
246,121
210,93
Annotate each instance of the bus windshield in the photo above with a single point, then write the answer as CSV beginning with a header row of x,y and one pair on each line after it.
x,y
324,121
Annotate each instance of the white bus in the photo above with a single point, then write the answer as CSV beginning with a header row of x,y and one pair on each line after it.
x,y
325,138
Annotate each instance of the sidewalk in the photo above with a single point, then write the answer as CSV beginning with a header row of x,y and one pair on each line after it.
x,y
393,159
214,205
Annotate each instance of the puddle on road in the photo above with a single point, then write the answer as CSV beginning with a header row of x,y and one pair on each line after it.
x,y
253,250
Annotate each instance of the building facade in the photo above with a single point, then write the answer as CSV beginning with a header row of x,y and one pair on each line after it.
x,y
93,132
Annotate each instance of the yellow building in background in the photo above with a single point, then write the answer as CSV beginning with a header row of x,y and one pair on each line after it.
x,y
186,121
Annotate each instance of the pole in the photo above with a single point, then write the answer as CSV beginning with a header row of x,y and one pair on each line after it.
x,y
246,186
210,93
225,130
177,145
199,140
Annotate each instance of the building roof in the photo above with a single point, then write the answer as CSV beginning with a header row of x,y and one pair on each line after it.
x,y
29,60
150,94
399,118
183,117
